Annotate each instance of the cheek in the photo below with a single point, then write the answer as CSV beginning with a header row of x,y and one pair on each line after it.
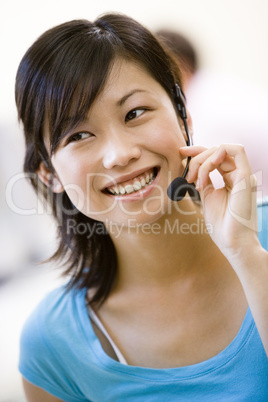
x,y
72,174
71,169
168,137
81,181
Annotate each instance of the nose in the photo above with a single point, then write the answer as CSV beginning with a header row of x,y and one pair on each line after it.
x,y
120,150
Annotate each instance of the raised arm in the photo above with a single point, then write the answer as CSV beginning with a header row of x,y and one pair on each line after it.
x,y
232,212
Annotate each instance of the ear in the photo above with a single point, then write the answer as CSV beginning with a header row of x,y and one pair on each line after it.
x,y
50,179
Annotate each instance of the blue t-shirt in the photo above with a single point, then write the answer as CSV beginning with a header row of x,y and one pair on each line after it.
x,y
61,354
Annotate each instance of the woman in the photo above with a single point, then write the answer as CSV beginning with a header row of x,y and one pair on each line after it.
x,y
167,300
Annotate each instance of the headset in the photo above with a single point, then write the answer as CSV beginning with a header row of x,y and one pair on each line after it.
x,y
178,187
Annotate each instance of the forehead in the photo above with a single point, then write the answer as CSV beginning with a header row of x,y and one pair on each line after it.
x,y
126,76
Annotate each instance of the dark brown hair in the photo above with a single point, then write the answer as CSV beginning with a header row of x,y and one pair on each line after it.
x,y
181,47
57,81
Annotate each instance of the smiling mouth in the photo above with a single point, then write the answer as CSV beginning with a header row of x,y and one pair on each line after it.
x,y
132,186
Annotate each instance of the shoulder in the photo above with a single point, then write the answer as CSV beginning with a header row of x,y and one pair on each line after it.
x,y
47,313
37,326
54,313
46,339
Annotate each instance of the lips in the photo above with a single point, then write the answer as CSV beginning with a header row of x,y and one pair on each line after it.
x,y
131,186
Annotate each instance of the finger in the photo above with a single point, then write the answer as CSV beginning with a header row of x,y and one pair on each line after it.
x,y
224,158
227,158
228,165
204,170
192,150
226,168
197,161
223,165
204,189
236,151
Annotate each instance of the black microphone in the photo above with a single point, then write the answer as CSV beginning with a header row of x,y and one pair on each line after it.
x,y
178,187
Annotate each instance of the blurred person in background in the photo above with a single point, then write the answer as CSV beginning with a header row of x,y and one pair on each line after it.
x,y
184,53
224,108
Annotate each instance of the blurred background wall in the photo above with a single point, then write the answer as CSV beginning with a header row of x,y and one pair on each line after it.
x,y
230,37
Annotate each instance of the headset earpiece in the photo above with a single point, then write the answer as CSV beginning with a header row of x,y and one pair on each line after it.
x,y
179,100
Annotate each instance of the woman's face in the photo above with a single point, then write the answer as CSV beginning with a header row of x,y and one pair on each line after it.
x,y
117,164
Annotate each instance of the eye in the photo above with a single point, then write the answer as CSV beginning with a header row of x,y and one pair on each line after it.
x,y
78,137
134,113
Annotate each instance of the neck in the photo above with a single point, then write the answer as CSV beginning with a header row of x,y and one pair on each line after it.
x,y
162,251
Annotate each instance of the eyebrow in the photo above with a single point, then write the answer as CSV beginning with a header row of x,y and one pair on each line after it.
x,y
120,102
128,95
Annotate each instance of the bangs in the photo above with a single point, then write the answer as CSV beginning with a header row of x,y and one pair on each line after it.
x,y
75,85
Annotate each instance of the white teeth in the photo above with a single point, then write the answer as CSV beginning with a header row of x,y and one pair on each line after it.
x,y
131,188
137,185
122,191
